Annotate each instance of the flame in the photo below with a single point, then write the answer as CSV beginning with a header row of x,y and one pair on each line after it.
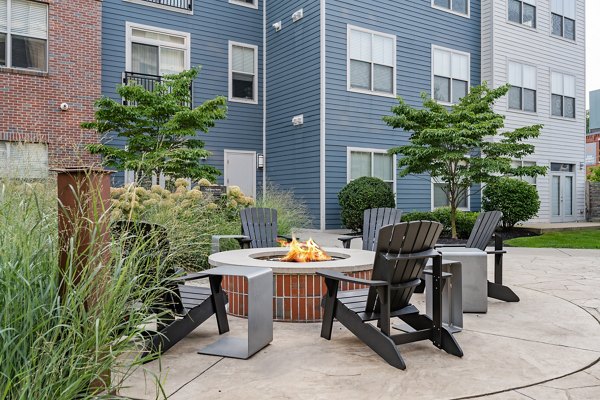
x,y
305,252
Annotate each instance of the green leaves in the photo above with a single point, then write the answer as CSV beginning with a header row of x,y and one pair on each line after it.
x,y
158,127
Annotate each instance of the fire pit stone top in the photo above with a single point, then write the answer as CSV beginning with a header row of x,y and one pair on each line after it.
x,y
345,260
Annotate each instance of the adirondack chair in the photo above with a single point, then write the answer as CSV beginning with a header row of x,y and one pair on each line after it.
x,y
483,231
401,254
374,218
182,308
259,229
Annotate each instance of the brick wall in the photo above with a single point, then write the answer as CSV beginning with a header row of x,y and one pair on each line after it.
x,y
30,101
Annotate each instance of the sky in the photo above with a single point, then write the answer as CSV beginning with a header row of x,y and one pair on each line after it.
x,y
592,40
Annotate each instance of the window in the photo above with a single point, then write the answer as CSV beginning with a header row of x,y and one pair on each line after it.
x,y
23,34
563,95
23,160
457,6
371,62
532,180
243,72
156,52
522,93
439,198
522,12
450,75
563,18
245,3
371,162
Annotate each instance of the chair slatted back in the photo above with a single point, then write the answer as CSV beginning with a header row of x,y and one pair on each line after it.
x,y
401,238
374,219
260,225
484,228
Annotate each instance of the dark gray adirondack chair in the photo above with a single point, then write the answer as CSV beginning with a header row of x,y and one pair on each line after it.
x,y
401,254
182,308
374,218
483,232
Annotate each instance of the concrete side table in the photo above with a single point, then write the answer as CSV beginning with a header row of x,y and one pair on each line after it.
x,y
260,314
452,297
474,276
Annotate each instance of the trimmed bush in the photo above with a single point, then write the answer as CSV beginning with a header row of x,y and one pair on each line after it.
x,y
518,200
464,220
360,195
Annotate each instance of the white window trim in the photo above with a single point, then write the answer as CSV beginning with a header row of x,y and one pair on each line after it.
x,y
522,177
162,6
349,150
562,37
552,92
537,103
244,4
467,208
394,73
230,73
129,26
451,11
435,47
521,24
9,41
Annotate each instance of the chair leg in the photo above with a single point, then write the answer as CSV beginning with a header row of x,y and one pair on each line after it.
x,y
501,292
330,301
449,344
218,299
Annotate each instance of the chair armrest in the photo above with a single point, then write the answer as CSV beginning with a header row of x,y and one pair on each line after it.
x,y
439,246
216,241
411,256
496,251
338,276
192,276
445,275
286,238
347,239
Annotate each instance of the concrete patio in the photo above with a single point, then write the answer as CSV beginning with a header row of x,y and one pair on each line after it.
x,y
545,347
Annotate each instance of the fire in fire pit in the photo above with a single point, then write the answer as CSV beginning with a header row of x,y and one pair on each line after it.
x,y
304,252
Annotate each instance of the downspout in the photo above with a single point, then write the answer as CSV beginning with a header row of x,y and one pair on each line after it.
x,y
323,196
264,95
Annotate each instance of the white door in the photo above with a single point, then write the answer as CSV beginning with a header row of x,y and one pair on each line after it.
x,y
240,170
562,192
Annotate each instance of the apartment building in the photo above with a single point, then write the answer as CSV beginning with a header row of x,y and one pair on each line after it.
x,y
309,81
50,64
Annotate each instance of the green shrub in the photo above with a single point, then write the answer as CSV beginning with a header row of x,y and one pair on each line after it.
x,y
464,220
518,200
360,195
291,212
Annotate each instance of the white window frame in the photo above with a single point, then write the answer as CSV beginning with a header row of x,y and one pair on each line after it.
x,y
521,24
451,11
9,40
435,47
522,87
552,71
244,4
349,151
230,73
434,180
563,23
130,26
523,178
162,6
349,87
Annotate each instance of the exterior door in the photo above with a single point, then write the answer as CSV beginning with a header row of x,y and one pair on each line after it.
x,y
240,170
562,192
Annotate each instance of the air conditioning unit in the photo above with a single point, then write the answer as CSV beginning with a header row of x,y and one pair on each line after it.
x,y
298,15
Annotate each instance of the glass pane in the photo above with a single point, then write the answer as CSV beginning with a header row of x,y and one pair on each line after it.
x,y
462,200
556,195
163,37
3,15
360,45
557,83
144,34
460,67
569,104
529,77
557,25
383,78
243,59
528,15
460,6
144,59
441,89
515,74
171,61
568,195
439,196
529,100
2,49
514,11
28,53
514,98
556,6
459,90
360,74
383,50
441,63
569,29
442,3
360,164
569,86
557,105
242,86
558,167
569,9
29,18
383,166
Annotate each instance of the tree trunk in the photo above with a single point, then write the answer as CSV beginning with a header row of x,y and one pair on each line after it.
x,y
453,220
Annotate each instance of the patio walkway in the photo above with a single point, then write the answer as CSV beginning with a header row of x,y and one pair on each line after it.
x,y
545,347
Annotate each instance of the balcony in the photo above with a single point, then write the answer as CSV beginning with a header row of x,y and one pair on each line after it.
x,y
147,82
180,4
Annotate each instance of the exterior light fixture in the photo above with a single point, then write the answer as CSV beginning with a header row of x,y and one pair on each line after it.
x,y
260,161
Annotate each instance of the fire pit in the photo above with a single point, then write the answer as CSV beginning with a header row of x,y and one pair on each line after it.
x,y
297,290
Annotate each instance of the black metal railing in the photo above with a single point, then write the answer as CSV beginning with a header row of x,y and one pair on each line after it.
x,y
148,82
182,4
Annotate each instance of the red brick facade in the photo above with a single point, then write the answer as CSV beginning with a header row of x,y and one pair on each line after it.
x,y
30,101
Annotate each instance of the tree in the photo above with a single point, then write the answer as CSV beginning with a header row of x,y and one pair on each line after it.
x,y
159,129
460,146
